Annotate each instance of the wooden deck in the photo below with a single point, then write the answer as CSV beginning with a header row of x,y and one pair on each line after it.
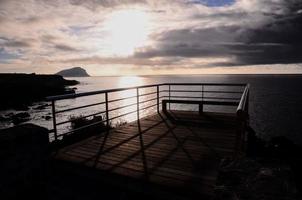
x,y
176,156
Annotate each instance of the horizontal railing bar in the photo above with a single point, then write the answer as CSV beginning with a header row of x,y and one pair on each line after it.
x,y
79,107
222,98
114,100
200,91
184,97
82,127
148,107
121,99
123,115
228,92
113,109
95,104
190,97
209,84
148,100
51,130
69,96
98,113
227,103
81,117
148,94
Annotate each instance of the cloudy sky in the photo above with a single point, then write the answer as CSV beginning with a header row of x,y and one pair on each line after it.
x,y
122,37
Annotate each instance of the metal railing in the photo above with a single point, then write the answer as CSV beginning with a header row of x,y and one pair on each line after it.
x,y
149,97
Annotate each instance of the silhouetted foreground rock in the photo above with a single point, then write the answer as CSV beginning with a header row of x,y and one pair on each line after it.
x,y
251,179
24,153
271,170
20,90
20,117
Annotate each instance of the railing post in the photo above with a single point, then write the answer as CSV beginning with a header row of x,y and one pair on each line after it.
x,y
169,95
201,104
107,108
247,103
137,102
157,88
53,106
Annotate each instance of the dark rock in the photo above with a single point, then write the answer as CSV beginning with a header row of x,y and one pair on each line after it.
x,y
21,107
22,89
249,179
9,114
47,117
24,157
20,118
4,118
41,107
69,91
255,145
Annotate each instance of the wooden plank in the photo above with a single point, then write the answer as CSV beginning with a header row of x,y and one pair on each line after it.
x,y
158,151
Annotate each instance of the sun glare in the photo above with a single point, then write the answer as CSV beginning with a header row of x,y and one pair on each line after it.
x,y
127,30
130,81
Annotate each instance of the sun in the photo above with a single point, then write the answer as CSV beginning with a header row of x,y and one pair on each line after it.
x,y
127,30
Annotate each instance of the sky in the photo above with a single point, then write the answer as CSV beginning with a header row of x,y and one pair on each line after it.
x,y
150,37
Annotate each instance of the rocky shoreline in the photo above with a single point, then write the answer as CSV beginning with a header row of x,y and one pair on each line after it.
x,y
269,170
21,90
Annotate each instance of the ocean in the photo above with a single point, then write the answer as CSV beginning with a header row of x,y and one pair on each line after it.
x,y
275,100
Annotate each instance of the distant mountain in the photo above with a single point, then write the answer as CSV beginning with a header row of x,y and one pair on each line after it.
x,y
73,72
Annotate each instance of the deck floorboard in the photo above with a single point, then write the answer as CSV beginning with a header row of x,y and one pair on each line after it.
x,y
161,150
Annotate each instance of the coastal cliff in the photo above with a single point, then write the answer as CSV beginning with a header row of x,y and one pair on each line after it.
x,y
20,90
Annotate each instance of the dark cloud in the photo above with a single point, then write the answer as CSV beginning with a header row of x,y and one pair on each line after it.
x,y
6,42
210,42
29,20
285,30
93,4
48,38
247,32
277,41
64,47
231,15
122,61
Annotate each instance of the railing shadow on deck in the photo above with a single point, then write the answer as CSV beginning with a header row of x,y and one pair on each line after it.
x,y
143,146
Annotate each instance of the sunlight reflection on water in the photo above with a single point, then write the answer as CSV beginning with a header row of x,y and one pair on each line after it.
x,y
130,81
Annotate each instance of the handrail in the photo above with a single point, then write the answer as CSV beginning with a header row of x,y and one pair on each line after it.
x,y
69,96
148,97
